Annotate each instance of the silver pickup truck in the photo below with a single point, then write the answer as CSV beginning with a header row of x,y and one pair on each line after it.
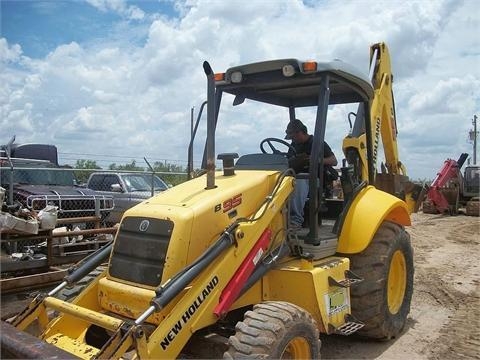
x,y
127,189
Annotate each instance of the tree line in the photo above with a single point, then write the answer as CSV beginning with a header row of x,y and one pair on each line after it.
x,y
88,166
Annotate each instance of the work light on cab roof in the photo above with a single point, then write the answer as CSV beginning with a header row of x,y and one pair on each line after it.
x,y
288,70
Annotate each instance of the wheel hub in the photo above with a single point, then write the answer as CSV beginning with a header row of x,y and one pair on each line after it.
x,y
297,348
397,282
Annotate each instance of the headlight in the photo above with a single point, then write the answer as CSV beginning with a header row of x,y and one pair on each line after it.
x,y
288,70
236,77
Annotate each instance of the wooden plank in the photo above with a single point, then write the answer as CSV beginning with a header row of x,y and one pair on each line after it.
x,y
14,266
30,265
31,281
78,220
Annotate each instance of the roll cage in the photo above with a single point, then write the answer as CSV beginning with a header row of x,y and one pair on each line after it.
x,y
289,83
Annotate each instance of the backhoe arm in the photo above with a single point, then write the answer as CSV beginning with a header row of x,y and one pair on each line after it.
x,y
377,121
382,113
381,122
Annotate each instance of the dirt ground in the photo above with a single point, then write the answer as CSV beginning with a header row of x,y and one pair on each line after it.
x,y
444,321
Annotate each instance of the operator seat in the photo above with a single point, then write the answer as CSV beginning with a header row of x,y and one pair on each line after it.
x,y
261,161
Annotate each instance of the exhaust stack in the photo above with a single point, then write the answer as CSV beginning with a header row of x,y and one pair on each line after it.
x,y
210,126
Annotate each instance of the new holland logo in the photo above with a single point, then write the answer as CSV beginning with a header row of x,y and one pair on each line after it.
x,y
144,225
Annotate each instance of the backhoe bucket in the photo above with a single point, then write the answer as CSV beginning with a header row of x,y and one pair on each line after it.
x,y
16,344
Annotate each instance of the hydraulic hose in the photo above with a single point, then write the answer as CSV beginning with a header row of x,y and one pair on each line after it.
x,y
174,286
83,268
264,266
89,264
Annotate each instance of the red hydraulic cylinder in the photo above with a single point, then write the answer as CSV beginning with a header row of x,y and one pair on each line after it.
x,y
234,286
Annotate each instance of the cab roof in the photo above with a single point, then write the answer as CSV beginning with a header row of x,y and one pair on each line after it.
x,y
265,82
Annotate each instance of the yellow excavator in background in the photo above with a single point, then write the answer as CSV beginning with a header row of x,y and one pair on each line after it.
x,y
211,267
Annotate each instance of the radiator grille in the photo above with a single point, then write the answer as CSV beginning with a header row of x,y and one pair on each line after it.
x,y
140,250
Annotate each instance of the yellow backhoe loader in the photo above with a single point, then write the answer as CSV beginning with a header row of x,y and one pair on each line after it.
x,y
212,268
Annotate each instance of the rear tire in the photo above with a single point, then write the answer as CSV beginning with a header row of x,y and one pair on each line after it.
x,y
275,330
382,300
473,207
428,207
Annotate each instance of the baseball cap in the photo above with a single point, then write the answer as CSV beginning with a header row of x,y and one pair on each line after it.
x,y
293,127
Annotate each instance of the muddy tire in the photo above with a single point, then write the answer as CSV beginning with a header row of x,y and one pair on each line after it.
x,y
382,300
473,207
275,330
429,208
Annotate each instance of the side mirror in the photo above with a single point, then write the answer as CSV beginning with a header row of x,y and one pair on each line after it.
x,y
116,188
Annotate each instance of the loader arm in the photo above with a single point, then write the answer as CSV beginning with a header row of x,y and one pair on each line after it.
x,y
196,304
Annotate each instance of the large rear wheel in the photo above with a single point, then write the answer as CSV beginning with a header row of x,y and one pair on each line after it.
x,y
275,330
382,300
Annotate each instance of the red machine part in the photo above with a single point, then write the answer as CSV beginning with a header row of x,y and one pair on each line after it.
x,y
234,286
449,171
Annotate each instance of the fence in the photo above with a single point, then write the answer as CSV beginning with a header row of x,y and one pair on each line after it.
x,y
71,191
88,203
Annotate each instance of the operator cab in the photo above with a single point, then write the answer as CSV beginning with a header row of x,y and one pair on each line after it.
x,y
293,85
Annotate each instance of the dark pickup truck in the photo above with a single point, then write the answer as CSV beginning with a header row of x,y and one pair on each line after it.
x,y
34,183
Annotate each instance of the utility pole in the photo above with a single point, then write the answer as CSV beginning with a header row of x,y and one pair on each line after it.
x,y
473,137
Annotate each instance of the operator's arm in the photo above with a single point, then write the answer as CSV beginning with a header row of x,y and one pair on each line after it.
x,y
299,162
329,157
330,160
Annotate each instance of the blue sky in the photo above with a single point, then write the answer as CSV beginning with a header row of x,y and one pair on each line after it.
x,y
116,79
53,23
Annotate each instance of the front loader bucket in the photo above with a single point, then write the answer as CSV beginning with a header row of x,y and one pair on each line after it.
x,y
16,344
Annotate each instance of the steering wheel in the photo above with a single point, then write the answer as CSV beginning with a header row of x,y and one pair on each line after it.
x,y
269,141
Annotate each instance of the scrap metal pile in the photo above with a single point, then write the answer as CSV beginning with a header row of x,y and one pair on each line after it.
x,y
29,231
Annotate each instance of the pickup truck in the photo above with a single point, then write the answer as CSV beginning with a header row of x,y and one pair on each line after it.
x,y
34,184
127,189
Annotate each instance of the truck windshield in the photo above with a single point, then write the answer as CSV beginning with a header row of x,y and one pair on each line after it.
x,y
38,177
143,182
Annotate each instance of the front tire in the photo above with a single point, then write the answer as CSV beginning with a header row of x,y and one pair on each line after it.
x,y
382,300
275,330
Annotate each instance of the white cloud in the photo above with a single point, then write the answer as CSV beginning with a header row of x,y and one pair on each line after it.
x,y
451,96
122,98
120,7
9,53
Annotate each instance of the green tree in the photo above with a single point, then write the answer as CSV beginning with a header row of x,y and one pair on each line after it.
x,y
173,179
86,167
128,167
86,164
